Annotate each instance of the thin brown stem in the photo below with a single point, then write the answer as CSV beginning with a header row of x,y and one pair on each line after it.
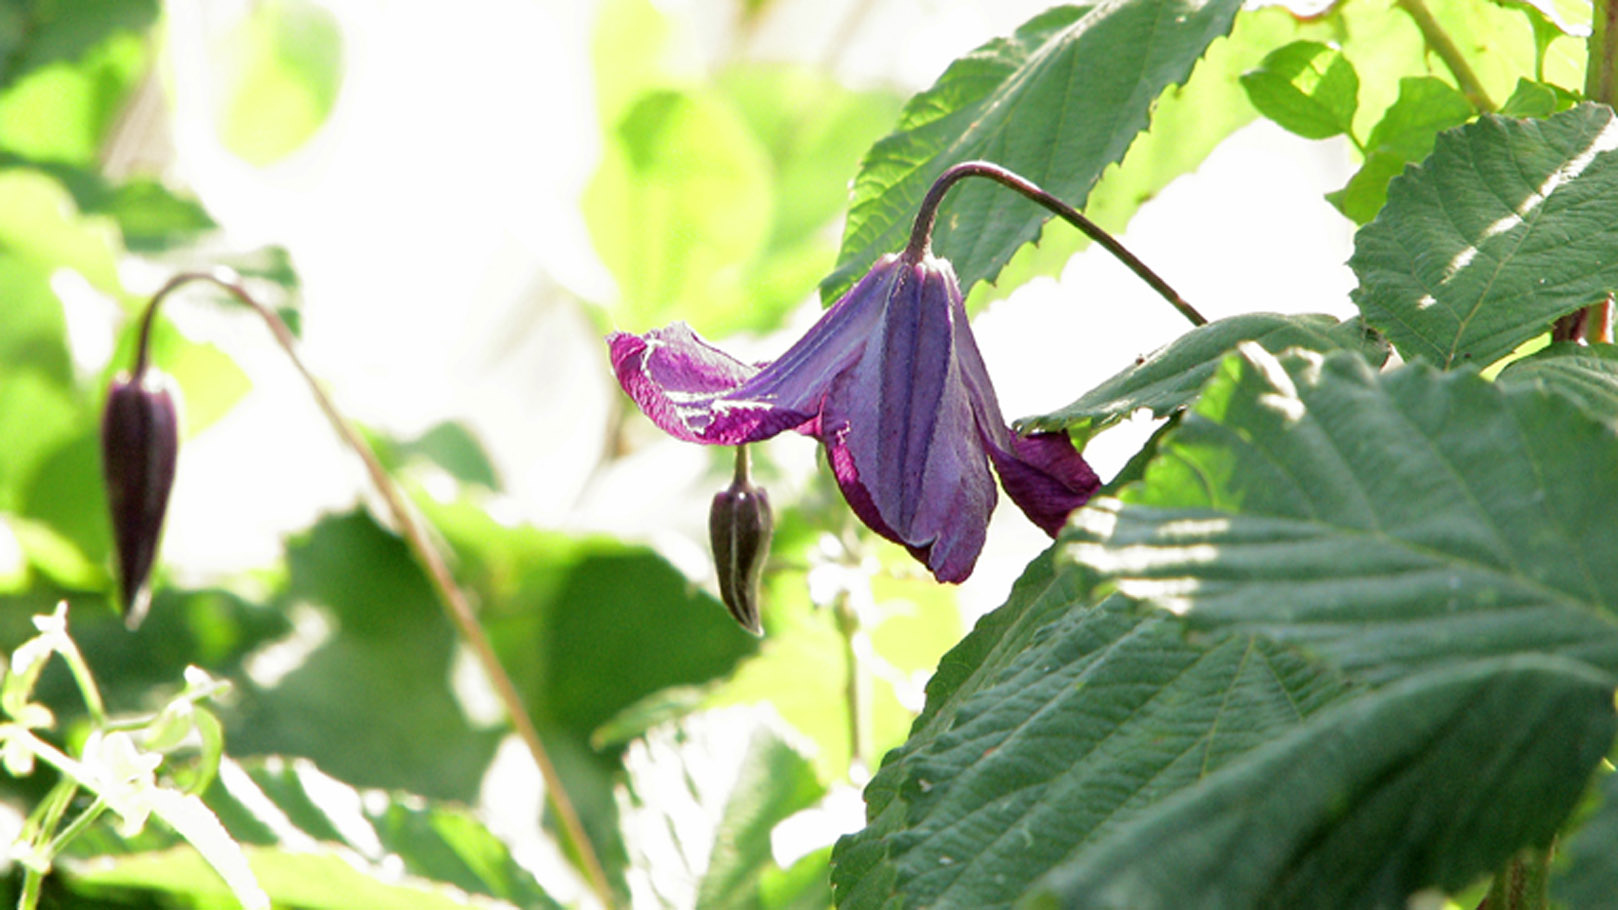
x,y
1438,41
454,601
921,231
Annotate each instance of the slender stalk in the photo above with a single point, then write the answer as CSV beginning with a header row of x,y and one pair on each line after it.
x,y
1594,323
455,603
848,629
1438,41
1600,79
921,231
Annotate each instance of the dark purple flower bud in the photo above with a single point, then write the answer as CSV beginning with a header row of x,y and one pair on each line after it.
x,y
739,527
140,439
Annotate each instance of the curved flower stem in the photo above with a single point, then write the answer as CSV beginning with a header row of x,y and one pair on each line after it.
x,y
859,737
454,601
921,232
1438,41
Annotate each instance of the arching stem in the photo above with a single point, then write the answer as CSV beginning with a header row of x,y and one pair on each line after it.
x,y
921,232
454,601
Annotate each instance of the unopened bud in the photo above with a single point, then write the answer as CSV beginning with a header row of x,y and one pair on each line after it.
x,y
739,527
140,440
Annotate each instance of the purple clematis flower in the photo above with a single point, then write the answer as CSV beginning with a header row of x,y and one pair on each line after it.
x,y
891,382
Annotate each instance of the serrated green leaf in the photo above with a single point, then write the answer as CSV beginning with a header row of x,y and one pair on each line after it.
x,y
1056,102
1051,725
1306,87
1587,374
1169,377
1585,875
1188,122
1507,226
1428,783
313,841
1382,522
1426,106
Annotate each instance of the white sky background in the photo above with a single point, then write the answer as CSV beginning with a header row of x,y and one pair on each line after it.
x,y
434,224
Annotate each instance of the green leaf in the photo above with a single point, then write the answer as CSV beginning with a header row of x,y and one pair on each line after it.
x,y
1432,782
709,789
1056,102
65,32
1585,875
289,59
64,93
1537,99
375,654
1169,377
1588,374
1426,106
1385,523
1306,87
1052,724
40,224
682,200
315,842
1507,226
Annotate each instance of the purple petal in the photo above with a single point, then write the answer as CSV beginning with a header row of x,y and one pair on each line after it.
x,y
901,431
696,392
1046,477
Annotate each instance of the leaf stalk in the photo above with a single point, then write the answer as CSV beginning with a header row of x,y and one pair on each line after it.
x,y
1438,41
921,231
454,601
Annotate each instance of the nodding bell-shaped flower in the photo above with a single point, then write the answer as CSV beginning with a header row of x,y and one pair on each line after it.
x,y
140,443
890,381
740,525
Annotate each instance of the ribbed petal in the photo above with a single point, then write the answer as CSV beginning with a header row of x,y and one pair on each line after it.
x,y
696,392
900,429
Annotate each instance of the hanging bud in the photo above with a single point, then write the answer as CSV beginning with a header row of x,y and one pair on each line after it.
x,y
140,440
739,527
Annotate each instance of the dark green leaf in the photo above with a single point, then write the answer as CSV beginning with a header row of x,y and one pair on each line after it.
x,y
1051,725
1170,377
1588,374
1383,522
1306,87
1429,783
1507,226
1056,102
